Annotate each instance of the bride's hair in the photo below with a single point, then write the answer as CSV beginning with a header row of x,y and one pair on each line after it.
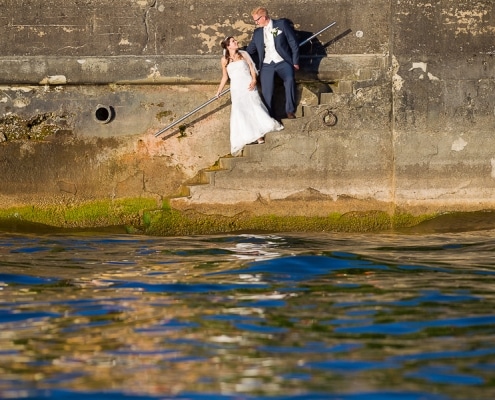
x,y
225,43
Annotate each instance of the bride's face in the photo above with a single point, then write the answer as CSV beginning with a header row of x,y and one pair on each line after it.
x,y
233,45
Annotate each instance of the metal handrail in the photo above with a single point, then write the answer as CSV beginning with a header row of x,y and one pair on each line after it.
x,y
316,34
228,90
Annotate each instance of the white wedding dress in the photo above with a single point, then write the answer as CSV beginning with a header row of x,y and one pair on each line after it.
x,y
249,118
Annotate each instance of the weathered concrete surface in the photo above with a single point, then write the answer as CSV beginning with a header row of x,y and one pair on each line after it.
x,y
444,104
336,168
81,159
411,82
106,28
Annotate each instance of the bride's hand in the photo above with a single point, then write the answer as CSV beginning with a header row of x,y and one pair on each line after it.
x,y
252,85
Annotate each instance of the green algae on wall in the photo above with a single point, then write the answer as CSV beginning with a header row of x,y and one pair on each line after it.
x,y
169,222
103,213
141,216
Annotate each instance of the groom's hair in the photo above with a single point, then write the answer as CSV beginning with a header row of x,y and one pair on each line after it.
x,y
260,11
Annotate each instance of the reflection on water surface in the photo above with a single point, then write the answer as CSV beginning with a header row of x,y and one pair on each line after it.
x,y
248,316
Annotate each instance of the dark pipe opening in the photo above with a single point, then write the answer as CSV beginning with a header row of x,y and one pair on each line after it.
x,y
104,114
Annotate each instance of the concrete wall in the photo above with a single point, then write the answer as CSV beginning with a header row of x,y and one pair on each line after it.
x,y
443,103
412,85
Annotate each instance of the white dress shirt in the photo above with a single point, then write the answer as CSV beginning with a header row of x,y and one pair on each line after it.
x,y
271,54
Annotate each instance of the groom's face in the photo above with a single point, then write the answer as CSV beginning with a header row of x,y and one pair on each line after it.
x,y
260,20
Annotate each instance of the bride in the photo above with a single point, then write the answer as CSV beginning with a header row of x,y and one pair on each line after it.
x,y
249,118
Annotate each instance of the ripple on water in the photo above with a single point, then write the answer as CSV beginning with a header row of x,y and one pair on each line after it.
x,y
248,316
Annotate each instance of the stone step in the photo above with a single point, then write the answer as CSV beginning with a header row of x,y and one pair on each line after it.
x,y
328,98
209,194
203,177
242,178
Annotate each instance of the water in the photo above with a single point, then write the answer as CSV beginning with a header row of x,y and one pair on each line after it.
x,y
273,316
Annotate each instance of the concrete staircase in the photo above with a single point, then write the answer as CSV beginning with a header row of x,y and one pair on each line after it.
x,y
338,147
254,175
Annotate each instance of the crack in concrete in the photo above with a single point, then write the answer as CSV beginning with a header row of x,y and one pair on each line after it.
x,y
147,27
314,150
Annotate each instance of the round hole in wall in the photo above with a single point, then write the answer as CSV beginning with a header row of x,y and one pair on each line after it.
x,y
104,114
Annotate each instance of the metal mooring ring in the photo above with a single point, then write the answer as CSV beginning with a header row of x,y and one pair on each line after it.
x,y
329,118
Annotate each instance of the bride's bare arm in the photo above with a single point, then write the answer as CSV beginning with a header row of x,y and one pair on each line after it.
x,y
225,77
252,71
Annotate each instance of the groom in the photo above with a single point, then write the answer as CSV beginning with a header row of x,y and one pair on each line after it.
x,y
275,45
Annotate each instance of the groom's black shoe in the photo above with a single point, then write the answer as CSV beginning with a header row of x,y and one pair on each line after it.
x,y
291,115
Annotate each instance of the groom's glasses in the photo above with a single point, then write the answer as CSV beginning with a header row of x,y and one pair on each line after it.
x,y
257,19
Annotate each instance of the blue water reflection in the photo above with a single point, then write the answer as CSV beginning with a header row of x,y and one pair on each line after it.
x,y
248,316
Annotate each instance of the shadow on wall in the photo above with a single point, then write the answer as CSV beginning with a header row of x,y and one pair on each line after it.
x,y
314,51
311,54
